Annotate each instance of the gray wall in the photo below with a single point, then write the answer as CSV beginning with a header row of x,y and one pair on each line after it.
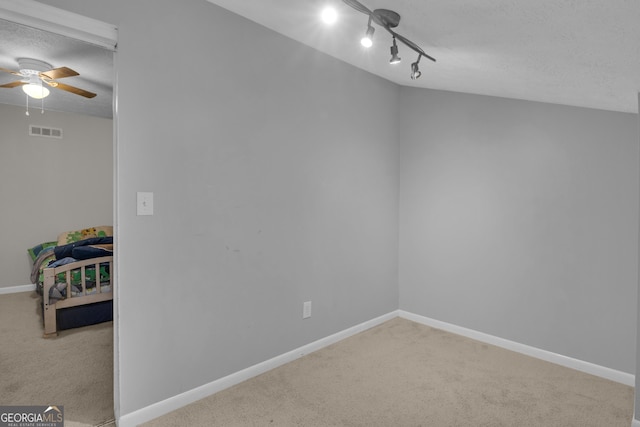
x,y
275,181
48,186
520,220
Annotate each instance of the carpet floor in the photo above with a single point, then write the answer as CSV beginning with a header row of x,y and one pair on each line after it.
x,y
399,374
74,369
402,373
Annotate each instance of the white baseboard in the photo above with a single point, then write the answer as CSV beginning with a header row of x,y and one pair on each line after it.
x,y
16,289
158,409
558,359
171,404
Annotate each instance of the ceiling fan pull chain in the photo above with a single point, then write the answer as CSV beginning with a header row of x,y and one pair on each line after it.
x,y
42,106
27,112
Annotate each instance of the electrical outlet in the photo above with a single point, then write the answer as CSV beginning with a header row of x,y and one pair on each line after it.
x,y
306,309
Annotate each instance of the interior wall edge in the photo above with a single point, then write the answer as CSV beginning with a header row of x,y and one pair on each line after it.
x,y
635,422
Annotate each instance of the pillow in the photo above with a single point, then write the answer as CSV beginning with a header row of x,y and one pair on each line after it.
x,y
85,233
35,251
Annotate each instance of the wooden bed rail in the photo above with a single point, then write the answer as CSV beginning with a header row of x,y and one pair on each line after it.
x,y
50,274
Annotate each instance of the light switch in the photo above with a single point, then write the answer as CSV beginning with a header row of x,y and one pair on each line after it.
x,y
145,203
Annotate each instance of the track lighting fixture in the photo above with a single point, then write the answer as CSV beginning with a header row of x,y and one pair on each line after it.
x,y
395,59
367,40
415,71
388,19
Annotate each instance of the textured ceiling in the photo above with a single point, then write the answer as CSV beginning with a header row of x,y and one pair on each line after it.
x,y
94,64
575,52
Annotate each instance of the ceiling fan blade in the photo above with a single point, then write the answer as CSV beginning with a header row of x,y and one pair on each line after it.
x,y
358,6
13,84
15,73
59,73
411,44
72,89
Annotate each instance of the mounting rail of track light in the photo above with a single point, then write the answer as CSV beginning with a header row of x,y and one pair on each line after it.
x,y
389,19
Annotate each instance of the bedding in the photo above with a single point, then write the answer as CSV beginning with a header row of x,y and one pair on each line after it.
x,y
36,250
73,276
49,256
83,234
99,246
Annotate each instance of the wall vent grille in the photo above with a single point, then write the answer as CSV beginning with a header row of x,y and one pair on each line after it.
x,y
45,132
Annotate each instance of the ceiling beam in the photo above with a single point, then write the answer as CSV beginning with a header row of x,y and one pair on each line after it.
x,y
59,21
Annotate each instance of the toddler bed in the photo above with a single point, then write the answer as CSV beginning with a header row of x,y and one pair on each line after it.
x,y
73,277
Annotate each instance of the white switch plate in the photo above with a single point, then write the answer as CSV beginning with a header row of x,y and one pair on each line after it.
x,y
306,309
145,203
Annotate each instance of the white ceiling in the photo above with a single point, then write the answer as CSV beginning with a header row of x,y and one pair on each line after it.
x,y
575,52
95,65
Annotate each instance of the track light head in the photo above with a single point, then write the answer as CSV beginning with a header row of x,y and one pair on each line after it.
x,y
367,40
415,71
395,59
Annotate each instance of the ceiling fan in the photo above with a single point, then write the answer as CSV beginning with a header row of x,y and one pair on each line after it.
x,y
34,73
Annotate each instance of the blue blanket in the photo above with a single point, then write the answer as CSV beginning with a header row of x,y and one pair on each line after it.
x,y
84,249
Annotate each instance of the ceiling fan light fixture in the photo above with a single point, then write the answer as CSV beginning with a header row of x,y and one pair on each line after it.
x,y
32,67
36,73
35,91
395,59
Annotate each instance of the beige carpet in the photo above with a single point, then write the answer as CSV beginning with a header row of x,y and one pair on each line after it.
x,y
405,374
397,374
74,369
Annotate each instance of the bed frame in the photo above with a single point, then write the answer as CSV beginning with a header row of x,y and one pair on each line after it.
x,y
51,307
